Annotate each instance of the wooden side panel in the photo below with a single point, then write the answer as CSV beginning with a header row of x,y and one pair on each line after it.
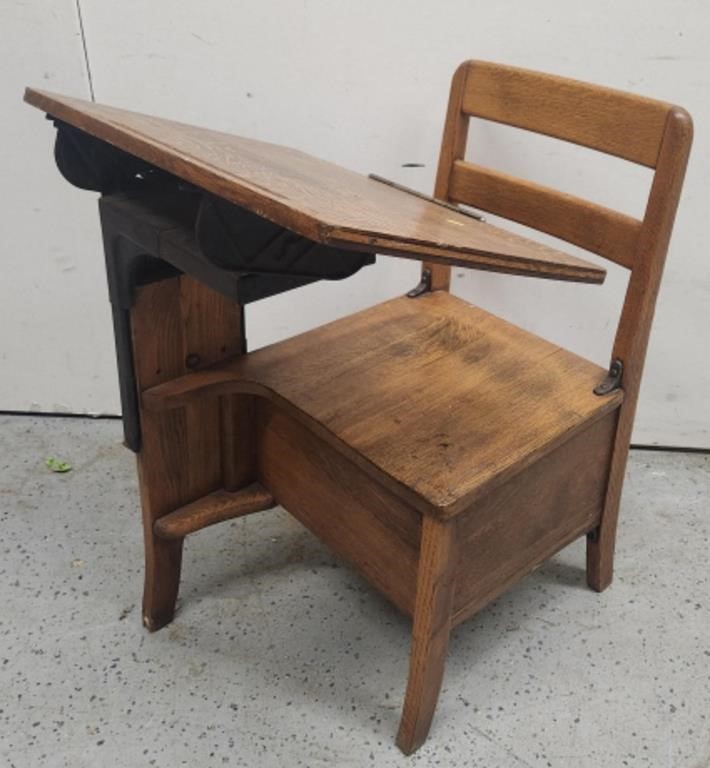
x,y
357,518
519,525
180,325
177,324
238,443
610,121
590,226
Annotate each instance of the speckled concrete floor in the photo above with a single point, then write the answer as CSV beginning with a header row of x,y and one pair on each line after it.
x,y
281,656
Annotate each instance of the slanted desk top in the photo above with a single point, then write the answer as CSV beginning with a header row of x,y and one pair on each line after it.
x,y
314,198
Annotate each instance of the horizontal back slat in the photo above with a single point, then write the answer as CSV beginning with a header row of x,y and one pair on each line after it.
x,y
610,121
590,226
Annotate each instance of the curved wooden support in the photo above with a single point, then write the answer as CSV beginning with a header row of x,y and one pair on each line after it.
x,y
210,382
214,508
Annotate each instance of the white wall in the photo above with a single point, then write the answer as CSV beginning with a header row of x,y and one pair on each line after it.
x,y
55,332
363,84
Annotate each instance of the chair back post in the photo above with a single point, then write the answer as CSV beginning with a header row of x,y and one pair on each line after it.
x,y
453,147
634,326
649,259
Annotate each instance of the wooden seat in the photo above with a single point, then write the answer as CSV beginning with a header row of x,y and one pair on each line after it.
x,y
437,399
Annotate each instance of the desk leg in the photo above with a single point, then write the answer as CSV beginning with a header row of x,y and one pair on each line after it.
x,y
178,325
430,631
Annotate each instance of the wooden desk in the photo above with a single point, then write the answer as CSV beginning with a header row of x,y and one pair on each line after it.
x,y
441,451
319,200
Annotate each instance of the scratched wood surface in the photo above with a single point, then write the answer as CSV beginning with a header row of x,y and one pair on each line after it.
x,y
315,198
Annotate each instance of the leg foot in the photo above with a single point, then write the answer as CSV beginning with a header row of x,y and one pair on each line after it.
x,y
162,579
600,557
601,542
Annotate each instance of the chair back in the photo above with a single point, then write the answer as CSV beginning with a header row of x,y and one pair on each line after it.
x,y
652,133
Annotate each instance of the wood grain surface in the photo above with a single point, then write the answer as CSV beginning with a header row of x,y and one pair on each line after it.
x,y
604,119
360,520
521,523
593,227
315,198
438,397
436,586
180,457
215,507
611,121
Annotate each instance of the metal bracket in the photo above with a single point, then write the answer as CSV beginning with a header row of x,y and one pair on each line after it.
x,y
612,380
429,198
423,286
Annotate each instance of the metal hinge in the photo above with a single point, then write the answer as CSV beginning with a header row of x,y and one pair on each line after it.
x,y
612,380
423,286
429,198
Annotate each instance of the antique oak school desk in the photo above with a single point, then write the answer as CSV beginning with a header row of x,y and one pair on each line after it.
x,y
442,451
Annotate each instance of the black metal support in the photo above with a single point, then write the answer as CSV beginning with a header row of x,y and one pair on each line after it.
x,y
156,227
89,163
234,238
127,268
423,286
612,380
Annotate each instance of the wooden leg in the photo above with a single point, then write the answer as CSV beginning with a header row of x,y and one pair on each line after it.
x,y
430,632
600,558
160,491
162,579
163,560
177,325
600,549
602,542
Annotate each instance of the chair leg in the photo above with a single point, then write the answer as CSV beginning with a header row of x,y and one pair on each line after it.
x,y
430,631
601,543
